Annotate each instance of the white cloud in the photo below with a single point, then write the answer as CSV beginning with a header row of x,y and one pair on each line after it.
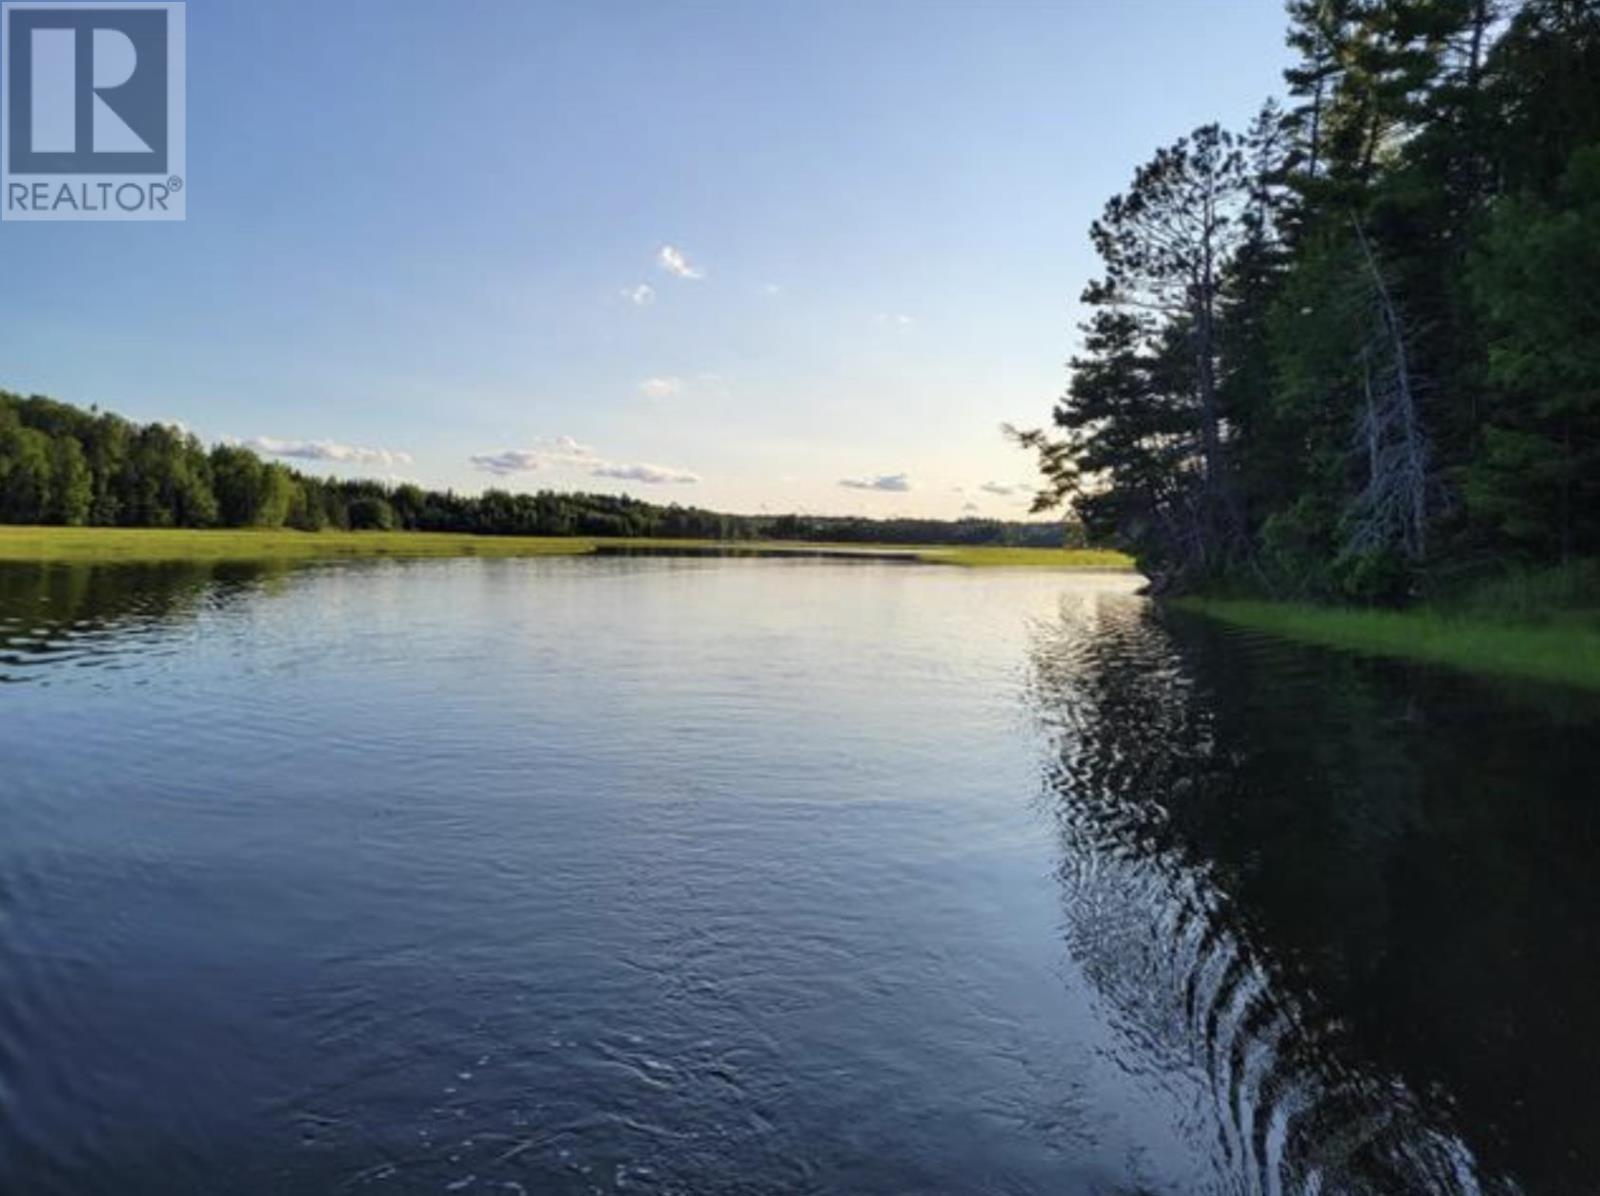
x,y
509,461
566,446
326,450
771,288
673,261
1015,490
642,295
661,388
650,475
897,319
894,483
564,451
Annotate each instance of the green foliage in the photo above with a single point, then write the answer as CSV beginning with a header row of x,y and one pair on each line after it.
x,y
1536,478
26,472
369,514
71,484
1367,360
1568,593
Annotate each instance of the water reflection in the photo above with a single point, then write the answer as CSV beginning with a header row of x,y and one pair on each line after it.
x,y
1338,906
74,615
722,876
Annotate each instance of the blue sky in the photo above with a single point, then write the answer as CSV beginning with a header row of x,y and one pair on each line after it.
x,y
420,229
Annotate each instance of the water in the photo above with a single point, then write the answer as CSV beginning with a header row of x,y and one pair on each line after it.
x,y
716,876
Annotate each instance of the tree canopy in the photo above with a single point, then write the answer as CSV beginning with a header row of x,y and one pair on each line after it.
x,y
1354,350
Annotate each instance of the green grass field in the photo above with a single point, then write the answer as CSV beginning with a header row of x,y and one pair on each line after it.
x,y
109,545
1565,651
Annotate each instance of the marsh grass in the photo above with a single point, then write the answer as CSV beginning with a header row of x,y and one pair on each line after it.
x,y
111,545
1059,558
1562,647
1566,594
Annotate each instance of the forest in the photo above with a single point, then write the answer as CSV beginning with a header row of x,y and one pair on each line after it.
x,y
66,466
1352,352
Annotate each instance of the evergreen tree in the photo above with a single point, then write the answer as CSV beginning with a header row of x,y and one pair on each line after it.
x,y
1536,479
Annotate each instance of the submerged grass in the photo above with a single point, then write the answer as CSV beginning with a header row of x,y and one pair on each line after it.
x,y
110,545
1563,647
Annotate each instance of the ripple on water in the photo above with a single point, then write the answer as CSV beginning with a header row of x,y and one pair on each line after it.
x,y
762,876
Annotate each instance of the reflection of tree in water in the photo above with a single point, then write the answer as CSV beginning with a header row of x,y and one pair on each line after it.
x,y
1351,901
90,614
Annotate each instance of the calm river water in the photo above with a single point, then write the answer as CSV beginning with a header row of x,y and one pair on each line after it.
x,y
761,876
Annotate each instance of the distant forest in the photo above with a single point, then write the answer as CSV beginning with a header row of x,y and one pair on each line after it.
x,y
1354,350
63,465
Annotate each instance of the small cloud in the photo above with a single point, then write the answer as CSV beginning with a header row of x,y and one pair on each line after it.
x,y
1015,490
970,508
896,319
771,288
895,483
562,450
326,450
510,461
673,261
642,295
661,388
650,475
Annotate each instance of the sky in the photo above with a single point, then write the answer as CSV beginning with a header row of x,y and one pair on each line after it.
x,y
755,256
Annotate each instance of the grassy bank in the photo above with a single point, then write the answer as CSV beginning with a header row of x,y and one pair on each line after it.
x,y
1562,648
93,545
96,545
1001,558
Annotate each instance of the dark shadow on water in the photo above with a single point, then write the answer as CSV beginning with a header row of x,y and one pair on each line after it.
x,y
55,614
1356,900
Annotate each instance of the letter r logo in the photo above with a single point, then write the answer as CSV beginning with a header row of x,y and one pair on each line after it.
x,y
93,110
86,89
114,60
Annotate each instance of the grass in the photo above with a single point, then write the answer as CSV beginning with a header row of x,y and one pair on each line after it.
x,y
1560,648
1059,558
95,545
111,545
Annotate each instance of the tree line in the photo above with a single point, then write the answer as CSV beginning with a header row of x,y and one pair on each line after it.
x,y
1353,350
63,465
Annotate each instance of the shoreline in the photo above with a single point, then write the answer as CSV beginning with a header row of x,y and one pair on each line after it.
x,y
94,545
1565,653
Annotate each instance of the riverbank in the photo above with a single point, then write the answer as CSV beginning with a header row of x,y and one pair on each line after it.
x,y
1561,649
112,545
